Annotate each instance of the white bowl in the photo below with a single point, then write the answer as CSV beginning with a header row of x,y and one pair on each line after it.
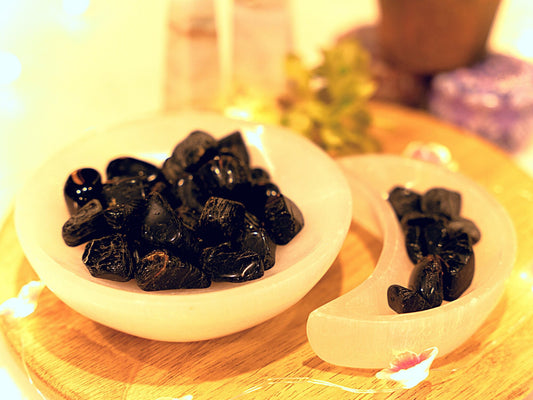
x,y
359,329
302,171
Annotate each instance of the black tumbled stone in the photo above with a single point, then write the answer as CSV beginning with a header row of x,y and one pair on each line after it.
x,y
109,258
441,201
465,225
221,220
194,150
404,201
221,175
427,280
423,234
234,143
159,270
123,190
88,223
257,240
161,227
283,219
223,263
82,186
132,167
458,266
404,300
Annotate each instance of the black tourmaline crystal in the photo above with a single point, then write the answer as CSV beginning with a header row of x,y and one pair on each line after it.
x,y
223,263
194,150
159,270
123,190
234,144
259,176
186,191
171,170
161,227
423,235
438,241
405,300
441,201
82,186
221,175
132,167
88,223
427,280
256,198
109,257
257,240
404,201
464,225
204,215
458,266
125,217
222,220
283,219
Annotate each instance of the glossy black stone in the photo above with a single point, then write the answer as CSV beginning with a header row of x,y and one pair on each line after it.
x,y
221,175
282,219
213,255
441,201
423,235
132,167
223,263
205,214
160,270
194,150
234,143
427,280
109,258
171,170
189,216
439,241
404,201
405,300
123,190
125,217
458,266
257,240
160,227
186,191
465,225
257,196
164,188
221,220
88,223
259,176
81,186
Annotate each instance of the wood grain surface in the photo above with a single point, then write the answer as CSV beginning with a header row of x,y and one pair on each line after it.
x,y
70,357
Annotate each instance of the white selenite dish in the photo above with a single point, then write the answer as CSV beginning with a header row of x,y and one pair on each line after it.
x,y
303,172
359,329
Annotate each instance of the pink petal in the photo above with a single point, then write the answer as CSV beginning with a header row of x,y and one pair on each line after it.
x,y
408,368
406,360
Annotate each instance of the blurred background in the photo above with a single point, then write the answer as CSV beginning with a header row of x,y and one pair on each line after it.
x,y
69,66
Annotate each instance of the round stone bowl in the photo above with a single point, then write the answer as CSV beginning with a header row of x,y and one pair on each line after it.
x,y
303,172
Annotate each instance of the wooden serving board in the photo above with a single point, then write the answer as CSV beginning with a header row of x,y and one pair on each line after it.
x,y
70,357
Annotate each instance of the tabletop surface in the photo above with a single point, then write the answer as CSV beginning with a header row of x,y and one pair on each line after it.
x,y
68,356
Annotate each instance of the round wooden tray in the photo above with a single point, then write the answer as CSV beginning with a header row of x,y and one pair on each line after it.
x,y
70,357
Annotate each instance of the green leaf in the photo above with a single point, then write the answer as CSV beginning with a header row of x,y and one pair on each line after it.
x,y
329,103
